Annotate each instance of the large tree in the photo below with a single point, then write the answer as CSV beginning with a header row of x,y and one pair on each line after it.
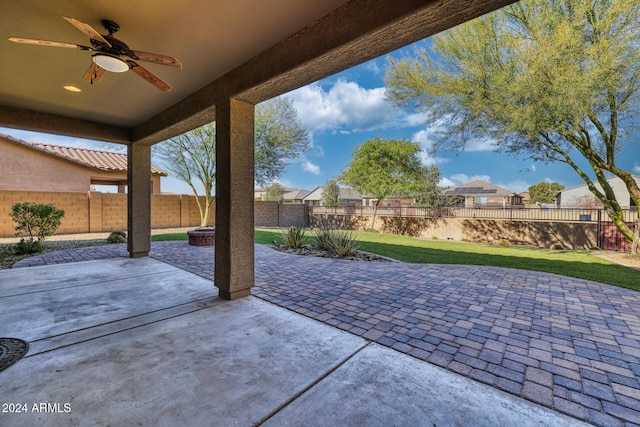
x,y
426,190
383,167
191,157
279,136
557,80
331,194
275,193
544,192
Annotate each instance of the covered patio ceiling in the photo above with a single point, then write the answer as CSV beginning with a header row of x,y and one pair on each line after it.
x,y
246,49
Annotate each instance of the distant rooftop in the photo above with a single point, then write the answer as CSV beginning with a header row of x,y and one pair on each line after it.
x,y
477,188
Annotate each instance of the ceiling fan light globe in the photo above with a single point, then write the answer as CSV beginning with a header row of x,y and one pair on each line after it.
x,y
110,63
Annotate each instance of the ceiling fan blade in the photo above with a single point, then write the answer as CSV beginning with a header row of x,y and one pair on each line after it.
x,y
149,76
155,58
49,43
94,73
88,30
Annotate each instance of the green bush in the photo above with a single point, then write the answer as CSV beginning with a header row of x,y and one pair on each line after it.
x,y
7,251
35,222
503,242
117,237
25,247
343,242
323,237
340,242
293,237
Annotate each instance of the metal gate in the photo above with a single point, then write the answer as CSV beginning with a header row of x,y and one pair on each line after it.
x,y
610,238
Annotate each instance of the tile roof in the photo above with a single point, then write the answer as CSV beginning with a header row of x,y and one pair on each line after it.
x,y
97,159
296,195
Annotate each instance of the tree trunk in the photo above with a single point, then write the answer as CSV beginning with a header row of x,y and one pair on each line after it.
x,y
375,211
636,237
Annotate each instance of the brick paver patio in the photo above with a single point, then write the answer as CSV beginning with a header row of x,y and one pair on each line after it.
x,y
568,344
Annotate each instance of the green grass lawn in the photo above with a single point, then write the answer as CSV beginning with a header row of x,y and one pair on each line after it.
x,y
169,236
580,264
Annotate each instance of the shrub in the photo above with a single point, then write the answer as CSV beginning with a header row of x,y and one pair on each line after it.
x,y
36,222
7,251
25,247
503,242
117,237
340,242
343,242
293,237
556,247
323,237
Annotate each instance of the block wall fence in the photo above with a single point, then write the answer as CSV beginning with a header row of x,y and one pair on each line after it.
x,y
96,212
543,234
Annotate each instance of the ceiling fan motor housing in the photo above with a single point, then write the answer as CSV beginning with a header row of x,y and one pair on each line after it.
x,y
110,26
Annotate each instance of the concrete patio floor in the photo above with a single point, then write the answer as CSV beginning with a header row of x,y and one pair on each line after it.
x,y
140,342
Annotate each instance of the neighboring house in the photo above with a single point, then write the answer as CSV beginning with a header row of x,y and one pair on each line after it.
x,y
526,197
347,196
481,194
260,193
33,166
581,197
295,196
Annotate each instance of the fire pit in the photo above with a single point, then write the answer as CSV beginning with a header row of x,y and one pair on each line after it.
x,y
202,237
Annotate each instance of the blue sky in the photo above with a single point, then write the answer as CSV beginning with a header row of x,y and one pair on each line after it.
x,y
349,108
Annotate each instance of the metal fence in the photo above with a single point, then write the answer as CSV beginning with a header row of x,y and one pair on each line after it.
x,y
533,214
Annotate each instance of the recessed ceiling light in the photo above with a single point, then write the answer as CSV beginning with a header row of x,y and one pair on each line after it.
x,y
72,88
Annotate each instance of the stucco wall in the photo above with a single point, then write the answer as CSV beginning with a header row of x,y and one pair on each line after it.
x,y
581,196
25,169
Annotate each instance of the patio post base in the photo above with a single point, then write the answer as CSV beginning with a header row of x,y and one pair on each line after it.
x,y
231,295
138,254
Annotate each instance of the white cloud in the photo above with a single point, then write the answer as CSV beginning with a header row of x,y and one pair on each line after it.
x,y
636,167
428,160
446,182
480,144
517,186
347,107
307,166
461,178
428,137
372,67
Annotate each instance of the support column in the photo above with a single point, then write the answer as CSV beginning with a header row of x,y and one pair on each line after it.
x,y
234,262
139,200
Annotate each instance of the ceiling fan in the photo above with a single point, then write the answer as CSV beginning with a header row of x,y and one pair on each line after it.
x,y
109,54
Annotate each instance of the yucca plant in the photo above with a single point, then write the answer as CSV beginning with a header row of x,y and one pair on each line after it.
x,y
323,238
293,237
343,242
340,242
